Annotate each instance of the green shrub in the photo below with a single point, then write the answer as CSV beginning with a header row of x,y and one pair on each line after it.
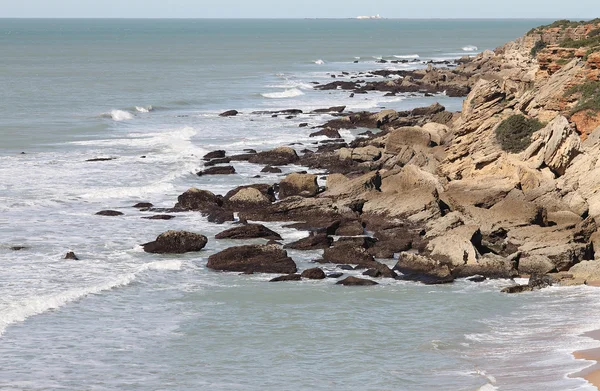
x,y
594,33
576,44
514,133
539,45
590,96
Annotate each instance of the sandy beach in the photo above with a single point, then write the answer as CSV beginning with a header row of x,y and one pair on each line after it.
x,y
592,373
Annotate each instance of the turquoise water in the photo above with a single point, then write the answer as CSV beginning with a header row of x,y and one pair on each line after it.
x,y
123,319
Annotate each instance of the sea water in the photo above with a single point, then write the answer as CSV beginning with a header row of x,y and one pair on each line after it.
x,y
147,93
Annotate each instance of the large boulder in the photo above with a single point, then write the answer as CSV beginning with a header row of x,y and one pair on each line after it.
x,y
348,253
253,259
426,270
218,154
276,157
217,170
247,197
249,231
314,274
490,266
312,242
298,184
198,200
588,271
176,242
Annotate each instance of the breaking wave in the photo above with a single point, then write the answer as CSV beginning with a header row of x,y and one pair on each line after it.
x,y
284,94
470,48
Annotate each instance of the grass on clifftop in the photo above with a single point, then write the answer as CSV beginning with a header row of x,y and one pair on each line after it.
x,y
590,97
576,44
514,133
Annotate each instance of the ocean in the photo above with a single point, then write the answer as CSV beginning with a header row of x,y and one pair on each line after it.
x,y
148,93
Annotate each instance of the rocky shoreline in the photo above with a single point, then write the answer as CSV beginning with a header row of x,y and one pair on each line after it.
x,y
438,193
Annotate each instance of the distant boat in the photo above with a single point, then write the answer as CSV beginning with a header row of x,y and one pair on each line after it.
x,y
370,17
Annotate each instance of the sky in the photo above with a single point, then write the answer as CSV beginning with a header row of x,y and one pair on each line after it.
x,y
555,9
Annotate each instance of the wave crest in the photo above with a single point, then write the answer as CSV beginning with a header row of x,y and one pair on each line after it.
x,y
284,94
319,62
119,115
144,109
470,48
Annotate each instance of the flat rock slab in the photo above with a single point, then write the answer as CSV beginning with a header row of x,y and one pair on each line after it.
x,y
287,277
109,213
159,217
355,281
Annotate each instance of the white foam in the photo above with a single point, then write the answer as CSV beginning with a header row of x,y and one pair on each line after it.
x,y
470,48
19,312
319,62
163,265
408,56
285,94
38,305
143,109
120,115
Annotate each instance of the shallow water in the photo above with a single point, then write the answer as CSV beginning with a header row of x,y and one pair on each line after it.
x,y
123,319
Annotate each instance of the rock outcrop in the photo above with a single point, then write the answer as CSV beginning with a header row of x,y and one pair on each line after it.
x,y
176,242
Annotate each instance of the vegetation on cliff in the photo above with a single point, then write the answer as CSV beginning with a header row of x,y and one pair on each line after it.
x,y
590,97
514,133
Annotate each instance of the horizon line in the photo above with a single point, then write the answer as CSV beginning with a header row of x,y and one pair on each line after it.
x,y
286,18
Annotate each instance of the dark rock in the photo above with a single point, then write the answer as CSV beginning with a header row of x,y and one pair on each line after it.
x,y
109,213
219,216
355,281
334,109
350,228
159,217
476,278
229,113
198,200
249,150
249,231
214,155
286,111
348,253
334,275
143,205
327,132
537,281
380,270
303,125
219,170
214,162
71,255
101,159
312,242
517,289
253,258
428,271
276,157
176,242
287,277
345,267
18,248
271,170
429,110
313,274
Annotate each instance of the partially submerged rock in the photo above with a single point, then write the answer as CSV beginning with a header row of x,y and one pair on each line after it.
x,y
253,259
355,281
109,213
249,231
176,242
